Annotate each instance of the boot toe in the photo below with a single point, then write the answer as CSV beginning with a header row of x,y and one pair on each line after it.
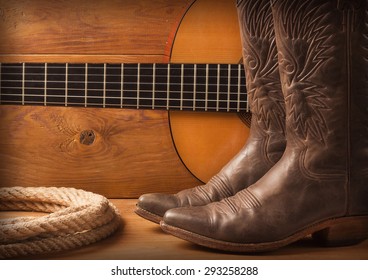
x,y
157,204
190,219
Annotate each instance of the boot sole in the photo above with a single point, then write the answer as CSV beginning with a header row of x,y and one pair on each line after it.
x,y
333,232
148,215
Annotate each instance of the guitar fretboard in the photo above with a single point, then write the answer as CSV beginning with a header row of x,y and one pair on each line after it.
x,y
197,87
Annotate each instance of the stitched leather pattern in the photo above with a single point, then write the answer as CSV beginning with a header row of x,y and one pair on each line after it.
x,y
260,59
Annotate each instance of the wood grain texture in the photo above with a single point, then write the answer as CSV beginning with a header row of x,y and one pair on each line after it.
x,y
143,240
209,33
132,152
207,141
82,58
83,27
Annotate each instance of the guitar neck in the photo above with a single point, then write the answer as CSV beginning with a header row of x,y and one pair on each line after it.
x,y
196,87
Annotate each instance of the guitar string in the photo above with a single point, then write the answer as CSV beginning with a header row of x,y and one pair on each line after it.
x,y
191,75
84,82
70,92
118,98
71,95
77,83
211,67
116,65
107,90
80,77
111,83
142,106
126,104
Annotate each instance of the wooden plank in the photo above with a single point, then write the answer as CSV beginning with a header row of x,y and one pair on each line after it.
x,y
82,58
117,153
130,27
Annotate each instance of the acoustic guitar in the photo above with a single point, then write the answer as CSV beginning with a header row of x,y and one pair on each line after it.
x,y
201,90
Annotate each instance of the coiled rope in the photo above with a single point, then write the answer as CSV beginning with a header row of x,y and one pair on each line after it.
x,y
77,218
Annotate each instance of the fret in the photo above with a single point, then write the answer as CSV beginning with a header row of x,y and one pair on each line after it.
x,y
66,84
195,87
138,83
122,86
45,86
104,86
168,87
239,85
206,96
23,81
181,86
247,99
85,84
153,85
218,88
228,87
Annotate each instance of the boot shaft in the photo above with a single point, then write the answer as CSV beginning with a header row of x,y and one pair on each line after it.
x,y
358,16
265,96
323,58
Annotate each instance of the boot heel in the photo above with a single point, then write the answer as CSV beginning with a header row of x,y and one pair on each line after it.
x,y
343,232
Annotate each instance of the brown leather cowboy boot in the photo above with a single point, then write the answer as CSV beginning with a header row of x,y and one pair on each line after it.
x,y
319,186
266,142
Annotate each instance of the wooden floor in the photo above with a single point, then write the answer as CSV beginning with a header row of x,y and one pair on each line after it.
x,y
140,239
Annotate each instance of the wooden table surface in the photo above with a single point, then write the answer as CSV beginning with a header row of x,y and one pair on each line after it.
x,y
140,239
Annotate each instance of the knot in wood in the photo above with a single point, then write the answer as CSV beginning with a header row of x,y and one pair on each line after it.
x,y
87,137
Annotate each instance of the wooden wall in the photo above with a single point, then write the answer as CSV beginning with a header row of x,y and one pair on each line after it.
x,y
89,31
132,152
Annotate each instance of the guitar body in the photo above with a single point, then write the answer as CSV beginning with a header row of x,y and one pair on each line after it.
x,y
117,153
207,141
